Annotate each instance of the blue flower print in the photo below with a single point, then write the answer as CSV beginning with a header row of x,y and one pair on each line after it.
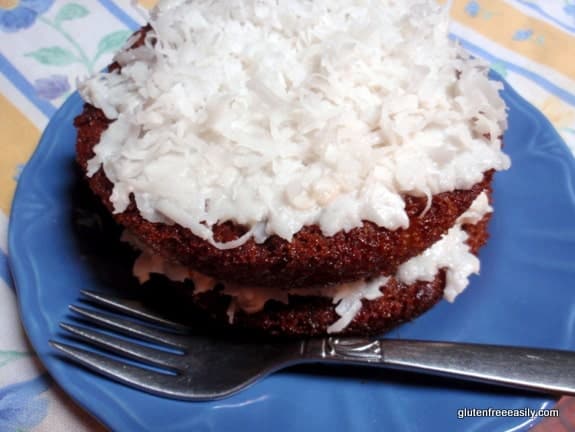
x,y
522,35
472,8
16,15
20,407
52,87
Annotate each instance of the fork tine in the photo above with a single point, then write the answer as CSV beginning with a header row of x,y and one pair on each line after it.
x,y
131,308
143,379
133,350
130,328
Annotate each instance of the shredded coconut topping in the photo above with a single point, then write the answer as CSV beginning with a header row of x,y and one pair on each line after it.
x,y
277,114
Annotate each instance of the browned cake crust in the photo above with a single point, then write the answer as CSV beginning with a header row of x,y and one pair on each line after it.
x,y
311,316
309,259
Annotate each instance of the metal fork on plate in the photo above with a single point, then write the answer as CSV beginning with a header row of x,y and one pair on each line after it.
x,y
192,366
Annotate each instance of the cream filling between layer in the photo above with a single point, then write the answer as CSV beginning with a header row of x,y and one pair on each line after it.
x,y
451,253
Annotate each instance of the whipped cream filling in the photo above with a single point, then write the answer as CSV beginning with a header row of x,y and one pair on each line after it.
x,y
281,114
450,253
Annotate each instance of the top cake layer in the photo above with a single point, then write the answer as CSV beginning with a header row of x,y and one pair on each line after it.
x,y
281,115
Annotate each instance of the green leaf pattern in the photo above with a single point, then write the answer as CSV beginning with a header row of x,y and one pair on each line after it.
x,y
71,11
112,42
54,56
8,356
74,53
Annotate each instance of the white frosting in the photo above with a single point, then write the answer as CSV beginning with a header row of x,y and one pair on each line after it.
x,y
450,253
278,114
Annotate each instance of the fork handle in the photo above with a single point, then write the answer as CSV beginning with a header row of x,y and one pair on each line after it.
x,y
545,370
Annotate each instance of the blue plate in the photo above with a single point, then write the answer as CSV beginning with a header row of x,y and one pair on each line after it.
x,y
524,296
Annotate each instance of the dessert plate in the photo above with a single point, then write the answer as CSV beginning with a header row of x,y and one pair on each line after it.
x,y
523,297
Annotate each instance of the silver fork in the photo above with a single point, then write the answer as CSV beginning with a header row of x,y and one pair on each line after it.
x,y
198,367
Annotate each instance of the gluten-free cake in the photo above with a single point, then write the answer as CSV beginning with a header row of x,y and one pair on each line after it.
x,y
311,166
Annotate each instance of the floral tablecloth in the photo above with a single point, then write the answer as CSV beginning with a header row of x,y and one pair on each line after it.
x,y
47,45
